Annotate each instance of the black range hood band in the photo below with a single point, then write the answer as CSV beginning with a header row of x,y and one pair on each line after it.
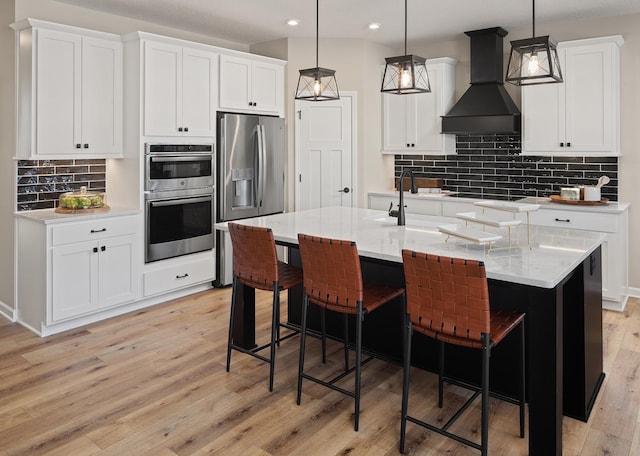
x,y
485,107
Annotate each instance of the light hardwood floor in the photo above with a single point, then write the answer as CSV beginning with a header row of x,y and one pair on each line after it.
x,y
153,383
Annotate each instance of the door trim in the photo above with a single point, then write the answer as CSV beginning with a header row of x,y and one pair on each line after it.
x,y
352,97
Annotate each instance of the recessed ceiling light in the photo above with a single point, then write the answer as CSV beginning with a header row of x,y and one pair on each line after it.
x,y
374,26
293,22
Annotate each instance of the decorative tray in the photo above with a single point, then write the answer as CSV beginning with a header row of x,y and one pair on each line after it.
x,y
90,210
559,199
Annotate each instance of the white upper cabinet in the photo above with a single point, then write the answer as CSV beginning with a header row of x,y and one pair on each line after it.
x,y
180,87
582,115
70,92
412,124
250,85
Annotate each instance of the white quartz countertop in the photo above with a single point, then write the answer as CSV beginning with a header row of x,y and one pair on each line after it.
x,y
612,207
48,216
554,252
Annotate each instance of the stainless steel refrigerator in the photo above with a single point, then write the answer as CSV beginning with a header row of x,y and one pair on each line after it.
x,y
250,178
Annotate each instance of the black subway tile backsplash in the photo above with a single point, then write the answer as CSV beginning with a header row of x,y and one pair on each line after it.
x,y
40,182
490,166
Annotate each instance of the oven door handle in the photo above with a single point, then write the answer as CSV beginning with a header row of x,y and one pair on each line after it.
x,y
179,159
175,202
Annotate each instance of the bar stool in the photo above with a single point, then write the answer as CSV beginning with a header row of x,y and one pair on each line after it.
x,y
448,300
255,264
333,281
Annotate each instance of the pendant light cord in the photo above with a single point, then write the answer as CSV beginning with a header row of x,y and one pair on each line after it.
x,y
533,17
405,27
317,29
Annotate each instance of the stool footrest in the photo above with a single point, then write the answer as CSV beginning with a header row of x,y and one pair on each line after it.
x,y
331,383
253,352
444,432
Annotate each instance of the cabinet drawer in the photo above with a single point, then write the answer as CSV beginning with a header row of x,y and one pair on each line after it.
x,y
607,223
179,275
93,230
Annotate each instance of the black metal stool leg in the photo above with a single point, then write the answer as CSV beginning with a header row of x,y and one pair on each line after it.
x,y
522,379
345,334
407,332
303,336
358,365
486,357
278,320
274,331
440,373
323,330
234,289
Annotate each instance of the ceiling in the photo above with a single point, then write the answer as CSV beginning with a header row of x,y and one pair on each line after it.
x,y
255,21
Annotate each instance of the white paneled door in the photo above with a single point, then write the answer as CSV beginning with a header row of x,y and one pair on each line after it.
x,y
325,153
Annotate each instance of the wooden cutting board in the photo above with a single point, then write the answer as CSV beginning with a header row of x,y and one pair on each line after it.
x,y
421,182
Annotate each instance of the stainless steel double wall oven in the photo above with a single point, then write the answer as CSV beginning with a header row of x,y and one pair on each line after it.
x,y
179,199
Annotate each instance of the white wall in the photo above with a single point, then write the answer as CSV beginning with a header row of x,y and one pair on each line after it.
x,y
357,65
7,166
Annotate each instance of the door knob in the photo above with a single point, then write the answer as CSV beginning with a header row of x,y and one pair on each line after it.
x,y
345,190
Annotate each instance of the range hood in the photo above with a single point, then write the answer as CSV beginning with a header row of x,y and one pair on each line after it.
x,y
485,107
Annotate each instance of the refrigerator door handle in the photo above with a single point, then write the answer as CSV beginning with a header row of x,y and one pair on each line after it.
x,y
263,162
222,172
260,166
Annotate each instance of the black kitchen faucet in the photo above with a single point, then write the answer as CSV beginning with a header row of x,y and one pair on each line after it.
x,y
400,212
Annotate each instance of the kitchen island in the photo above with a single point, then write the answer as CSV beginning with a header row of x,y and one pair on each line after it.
x,y
557,282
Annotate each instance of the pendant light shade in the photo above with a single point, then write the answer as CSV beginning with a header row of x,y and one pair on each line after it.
x,y
317,84
405,74
534,60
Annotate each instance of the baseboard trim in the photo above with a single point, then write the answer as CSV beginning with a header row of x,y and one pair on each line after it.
x,y
8,312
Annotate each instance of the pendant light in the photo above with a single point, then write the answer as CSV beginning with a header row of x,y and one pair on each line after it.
x,y
317,84
405,74
534,60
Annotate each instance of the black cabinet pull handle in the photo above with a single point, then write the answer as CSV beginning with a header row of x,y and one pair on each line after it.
x,y
179,128
408,145
186,128
98,231
413,145
182,276
86,146
103,248
568,144
95,250
78,146
563,220
561,144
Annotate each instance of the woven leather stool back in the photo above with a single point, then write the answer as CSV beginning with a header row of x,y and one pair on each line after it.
x,y
255,261
447,295
331,271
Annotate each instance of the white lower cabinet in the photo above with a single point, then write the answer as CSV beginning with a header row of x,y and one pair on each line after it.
x,y
75,269
615,248
90,276
412,205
